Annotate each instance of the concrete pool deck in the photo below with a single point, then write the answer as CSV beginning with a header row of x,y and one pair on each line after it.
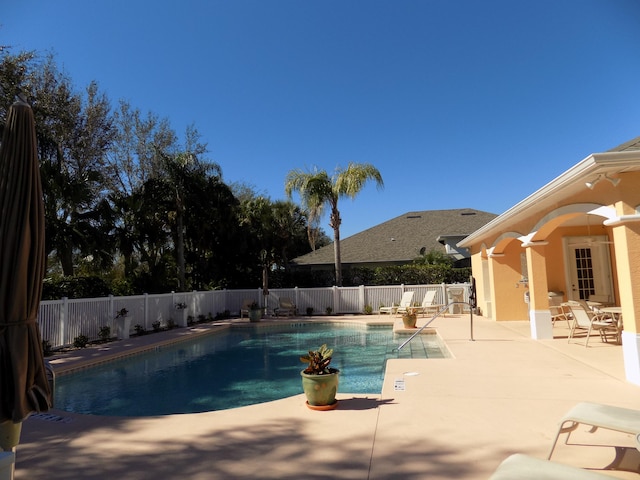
x,y
456,418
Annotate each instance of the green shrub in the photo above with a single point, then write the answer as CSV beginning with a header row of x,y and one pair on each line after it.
x,y
105,333
80,341
156,326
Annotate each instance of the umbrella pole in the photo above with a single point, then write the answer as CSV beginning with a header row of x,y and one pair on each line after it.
x,y
9,439
9,435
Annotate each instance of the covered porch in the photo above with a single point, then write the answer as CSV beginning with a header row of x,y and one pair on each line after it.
x,y
575,239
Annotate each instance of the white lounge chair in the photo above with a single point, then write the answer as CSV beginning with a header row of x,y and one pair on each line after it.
x,y
428,306
405,301
523,467
598,415
285,307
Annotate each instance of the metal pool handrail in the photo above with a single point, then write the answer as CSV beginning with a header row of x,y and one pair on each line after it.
x,y
436,315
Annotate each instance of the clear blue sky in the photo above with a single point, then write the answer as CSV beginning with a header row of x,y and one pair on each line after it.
x,y
461,103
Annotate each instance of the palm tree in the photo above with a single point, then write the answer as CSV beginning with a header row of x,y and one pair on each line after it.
x,y
317,189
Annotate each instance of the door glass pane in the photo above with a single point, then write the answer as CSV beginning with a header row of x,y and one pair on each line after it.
x,y
584,270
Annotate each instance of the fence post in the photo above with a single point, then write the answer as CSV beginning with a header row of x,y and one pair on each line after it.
x,y
145,304
337,291
361,298
111,307
64,318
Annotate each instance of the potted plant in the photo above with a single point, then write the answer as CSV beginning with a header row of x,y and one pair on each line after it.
x,y
255,312
123,323
409,318
319,380
184,313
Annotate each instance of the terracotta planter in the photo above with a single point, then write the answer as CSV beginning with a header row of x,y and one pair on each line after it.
x,y
255,314
321,390
409,320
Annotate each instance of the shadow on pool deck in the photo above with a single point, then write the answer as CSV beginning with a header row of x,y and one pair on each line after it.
x,y
456,418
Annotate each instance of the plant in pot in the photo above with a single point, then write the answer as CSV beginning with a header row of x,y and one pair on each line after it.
x,y
319,380
123,323
255,312
409,318
183,319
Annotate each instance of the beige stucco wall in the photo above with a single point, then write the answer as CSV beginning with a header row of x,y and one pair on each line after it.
x,y
506,302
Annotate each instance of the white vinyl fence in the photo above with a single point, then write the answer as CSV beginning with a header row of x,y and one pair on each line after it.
x,y
61,321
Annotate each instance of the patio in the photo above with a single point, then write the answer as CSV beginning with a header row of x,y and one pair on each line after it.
x,y
456,418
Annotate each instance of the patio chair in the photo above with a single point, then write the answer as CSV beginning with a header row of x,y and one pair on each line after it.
x,y
583,318
244,309
285,307
405,301
523,467
560,312
427,306
598,415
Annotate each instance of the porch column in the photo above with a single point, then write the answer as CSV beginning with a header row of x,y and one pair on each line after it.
x,y
539,313
626,235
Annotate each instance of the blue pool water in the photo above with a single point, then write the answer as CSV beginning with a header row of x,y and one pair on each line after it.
x,y
242,367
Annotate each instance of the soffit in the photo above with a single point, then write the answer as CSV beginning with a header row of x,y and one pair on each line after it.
x,y
566,185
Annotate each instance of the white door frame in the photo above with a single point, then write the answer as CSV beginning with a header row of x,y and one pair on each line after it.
x,y
600,266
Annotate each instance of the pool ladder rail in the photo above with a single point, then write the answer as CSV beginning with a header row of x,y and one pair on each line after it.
x,y
436,315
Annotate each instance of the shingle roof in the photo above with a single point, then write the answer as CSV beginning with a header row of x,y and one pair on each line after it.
x,y
627,146
400,239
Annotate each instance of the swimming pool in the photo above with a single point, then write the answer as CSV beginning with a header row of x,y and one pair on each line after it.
x,y
239,367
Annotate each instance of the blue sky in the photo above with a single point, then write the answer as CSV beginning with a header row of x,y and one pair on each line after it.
x,y
459,103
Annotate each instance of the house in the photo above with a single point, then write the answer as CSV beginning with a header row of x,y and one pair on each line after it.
x,y
575,238
400,240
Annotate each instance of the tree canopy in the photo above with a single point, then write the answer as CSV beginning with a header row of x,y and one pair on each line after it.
x,y
132,203
317,190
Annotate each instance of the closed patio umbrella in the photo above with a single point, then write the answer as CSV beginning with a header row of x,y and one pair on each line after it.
x,y
24,386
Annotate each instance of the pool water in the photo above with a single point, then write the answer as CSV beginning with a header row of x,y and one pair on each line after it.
x,y
242,366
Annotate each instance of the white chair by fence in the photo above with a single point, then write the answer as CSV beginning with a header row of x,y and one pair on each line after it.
x,y
428,305
405,301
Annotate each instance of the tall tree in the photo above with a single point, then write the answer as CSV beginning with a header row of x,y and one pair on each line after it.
x,y
317,189
74,133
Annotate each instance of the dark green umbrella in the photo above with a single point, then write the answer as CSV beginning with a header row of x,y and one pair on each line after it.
x,y
24,386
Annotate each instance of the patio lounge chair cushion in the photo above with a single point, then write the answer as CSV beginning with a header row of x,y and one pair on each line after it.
x,y
597,415
523,467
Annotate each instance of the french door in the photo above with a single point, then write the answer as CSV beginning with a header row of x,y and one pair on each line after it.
x,y
588,267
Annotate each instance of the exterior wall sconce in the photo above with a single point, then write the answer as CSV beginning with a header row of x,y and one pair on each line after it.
x,y
592,183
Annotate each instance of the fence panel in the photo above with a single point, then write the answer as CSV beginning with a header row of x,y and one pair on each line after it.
x,y
86,317
50,322
319,299
383,296
349,300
